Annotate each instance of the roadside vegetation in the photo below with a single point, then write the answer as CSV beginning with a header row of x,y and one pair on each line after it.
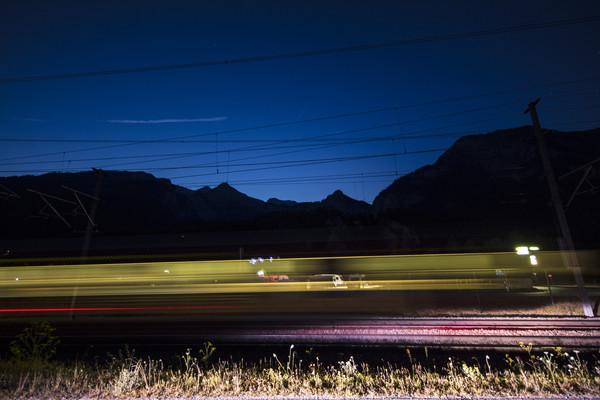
x,y
30,371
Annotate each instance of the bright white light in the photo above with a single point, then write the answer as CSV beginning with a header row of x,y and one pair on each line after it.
x,y
534,248
166,271
260,273
252,261
17,279
533,260
522,250
261,259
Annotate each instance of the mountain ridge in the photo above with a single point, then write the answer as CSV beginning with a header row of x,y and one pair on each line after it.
x,y
485,192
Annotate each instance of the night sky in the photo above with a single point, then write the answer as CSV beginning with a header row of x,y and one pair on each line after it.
x,y
285,99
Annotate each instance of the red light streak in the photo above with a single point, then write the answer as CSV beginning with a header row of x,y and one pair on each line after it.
x,y
121,308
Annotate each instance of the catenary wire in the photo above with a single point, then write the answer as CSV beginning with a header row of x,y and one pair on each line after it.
x,y
266,147
325,118
463,35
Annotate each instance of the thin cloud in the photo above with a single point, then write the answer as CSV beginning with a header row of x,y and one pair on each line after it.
x,y
165,121
30,119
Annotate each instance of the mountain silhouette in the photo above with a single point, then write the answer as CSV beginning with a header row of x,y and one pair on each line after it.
x,y
490,186
486,192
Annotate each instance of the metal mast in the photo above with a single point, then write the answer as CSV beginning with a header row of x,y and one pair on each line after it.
x,y
565,240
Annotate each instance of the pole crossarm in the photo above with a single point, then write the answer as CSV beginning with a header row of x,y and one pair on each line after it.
x,y
77,193
585,166
591,188
581,181
45,198
5,193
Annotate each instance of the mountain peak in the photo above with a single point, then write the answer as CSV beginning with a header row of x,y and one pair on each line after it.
x,y
499,168
225,188
347,205
338,194
203,189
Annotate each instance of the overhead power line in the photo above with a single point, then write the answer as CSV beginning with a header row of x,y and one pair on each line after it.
x,y
268,141
151,158
257,166
486,32
311,179
300,163
330,117
311,145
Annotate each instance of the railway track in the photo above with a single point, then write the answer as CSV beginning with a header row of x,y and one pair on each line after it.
x,y
446,333
443,333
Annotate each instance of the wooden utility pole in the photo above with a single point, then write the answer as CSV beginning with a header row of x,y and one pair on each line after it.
x,y
565,240
91,224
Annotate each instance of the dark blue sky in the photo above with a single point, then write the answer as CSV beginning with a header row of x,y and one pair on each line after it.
x,y
295,128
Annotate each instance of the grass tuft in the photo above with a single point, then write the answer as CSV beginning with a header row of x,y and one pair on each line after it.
x,y
552,372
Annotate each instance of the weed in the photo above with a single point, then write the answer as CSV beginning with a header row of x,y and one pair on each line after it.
x,y
552,372
206,353
36,342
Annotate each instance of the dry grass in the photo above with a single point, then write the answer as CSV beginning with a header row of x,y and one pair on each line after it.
x,y
550,373
561,308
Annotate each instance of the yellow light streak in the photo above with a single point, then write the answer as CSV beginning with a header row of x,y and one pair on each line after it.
x,y
397,272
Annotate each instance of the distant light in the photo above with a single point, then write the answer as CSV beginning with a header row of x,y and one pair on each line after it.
x,y
259,259
260,273
166,271
16,279
533,260
534,248
522,250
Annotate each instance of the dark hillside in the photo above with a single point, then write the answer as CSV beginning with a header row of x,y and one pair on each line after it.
x,y
491,188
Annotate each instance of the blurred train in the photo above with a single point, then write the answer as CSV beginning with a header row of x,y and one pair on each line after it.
x,y
464,271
